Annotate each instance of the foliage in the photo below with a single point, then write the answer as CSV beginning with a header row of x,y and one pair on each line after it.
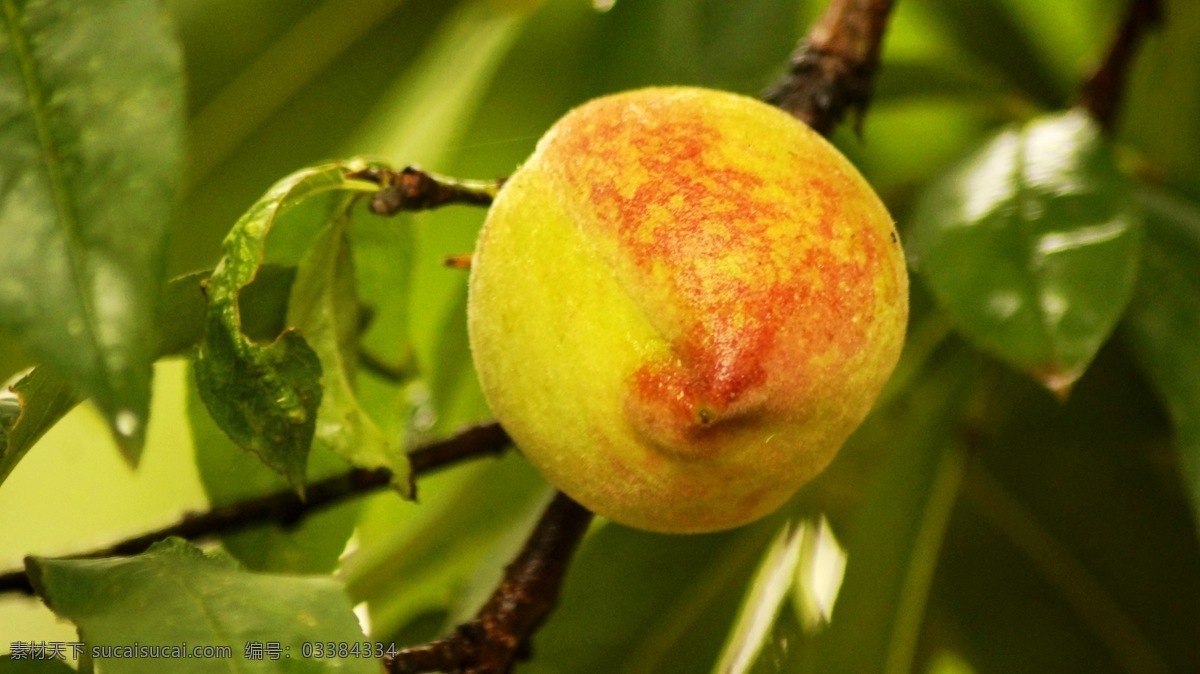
x,y
1025,497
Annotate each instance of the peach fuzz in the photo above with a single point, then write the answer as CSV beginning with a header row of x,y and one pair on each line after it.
x,y
682,305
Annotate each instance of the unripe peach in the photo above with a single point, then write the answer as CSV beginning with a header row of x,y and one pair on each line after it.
x,y
682,304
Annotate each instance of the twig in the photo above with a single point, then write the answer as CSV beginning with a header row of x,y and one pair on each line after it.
x,y
499,635
285,508
833,68
1105,88
470,443
411,189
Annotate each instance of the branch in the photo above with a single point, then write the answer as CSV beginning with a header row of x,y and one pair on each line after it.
x,y
833,68
411,189
499,635
1105,88
285,508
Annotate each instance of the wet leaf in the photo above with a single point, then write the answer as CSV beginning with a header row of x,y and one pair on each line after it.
x,y
91,122
175,594
1032,244
27,410
266,396
230,474
36,401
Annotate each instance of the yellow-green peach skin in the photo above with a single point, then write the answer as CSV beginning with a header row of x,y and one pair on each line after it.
x,y
682,305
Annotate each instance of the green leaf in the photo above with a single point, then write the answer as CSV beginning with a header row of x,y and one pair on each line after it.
x,y
1073,547
27,410
230,474
266,396
324,308
1032,244
175,594
1164,322
39,399
91,122
13,358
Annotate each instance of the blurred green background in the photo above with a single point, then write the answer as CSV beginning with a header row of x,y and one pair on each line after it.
x,y
998,530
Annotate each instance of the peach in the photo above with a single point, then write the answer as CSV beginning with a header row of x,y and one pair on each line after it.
x,y
682,305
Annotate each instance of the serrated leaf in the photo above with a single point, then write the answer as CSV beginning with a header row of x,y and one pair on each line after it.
x,y
266,396
230,474
176,594
324,308
1164,321
1032,244
27,410
91,122
37,401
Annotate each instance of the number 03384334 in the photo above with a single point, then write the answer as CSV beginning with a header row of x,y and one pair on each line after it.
x,y
343,649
